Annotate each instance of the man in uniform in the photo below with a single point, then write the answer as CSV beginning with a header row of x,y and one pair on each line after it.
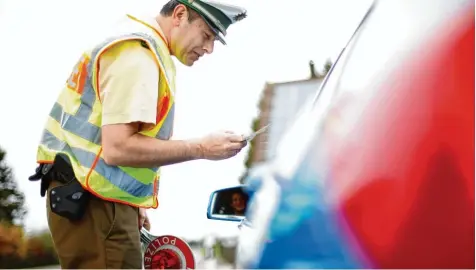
x,y
108,133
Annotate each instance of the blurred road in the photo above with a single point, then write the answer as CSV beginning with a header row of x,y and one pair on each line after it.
x,y
209,263
201,263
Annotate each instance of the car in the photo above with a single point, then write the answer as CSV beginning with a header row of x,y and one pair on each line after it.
x,y
378,169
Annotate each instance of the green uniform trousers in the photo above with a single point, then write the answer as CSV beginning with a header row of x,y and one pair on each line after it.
x,y
106,237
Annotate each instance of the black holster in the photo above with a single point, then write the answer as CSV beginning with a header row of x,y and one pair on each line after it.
x,y
69,199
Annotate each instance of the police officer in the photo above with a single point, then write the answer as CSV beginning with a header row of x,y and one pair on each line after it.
x,y
108,133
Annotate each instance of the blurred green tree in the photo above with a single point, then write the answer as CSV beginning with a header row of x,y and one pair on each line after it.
x,y
12,200
249,158
327,66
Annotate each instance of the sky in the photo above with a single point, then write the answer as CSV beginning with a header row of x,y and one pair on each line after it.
x,y
42,40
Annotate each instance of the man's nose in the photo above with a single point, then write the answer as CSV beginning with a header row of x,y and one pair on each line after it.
x,y
209,46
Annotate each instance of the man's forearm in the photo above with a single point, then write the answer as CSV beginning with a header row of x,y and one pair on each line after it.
x,y
142,151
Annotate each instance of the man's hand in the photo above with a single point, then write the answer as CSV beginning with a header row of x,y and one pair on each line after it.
x,y
221,145
143,219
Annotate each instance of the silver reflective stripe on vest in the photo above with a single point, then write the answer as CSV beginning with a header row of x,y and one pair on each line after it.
x,y
116,176
75,124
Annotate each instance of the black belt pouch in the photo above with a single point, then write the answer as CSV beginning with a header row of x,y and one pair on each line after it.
x,y
70,199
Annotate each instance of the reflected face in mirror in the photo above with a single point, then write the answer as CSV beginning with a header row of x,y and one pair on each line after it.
x,y
238,203
230,202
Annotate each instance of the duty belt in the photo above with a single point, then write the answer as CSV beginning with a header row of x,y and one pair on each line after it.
x,y
60,170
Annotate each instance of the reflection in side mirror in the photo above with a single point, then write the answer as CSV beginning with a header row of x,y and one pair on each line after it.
x,y
228,204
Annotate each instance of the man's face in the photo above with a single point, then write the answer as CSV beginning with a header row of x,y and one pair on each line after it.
x,y
191,40
237,202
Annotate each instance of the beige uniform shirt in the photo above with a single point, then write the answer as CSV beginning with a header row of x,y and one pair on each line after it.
x,y
129,83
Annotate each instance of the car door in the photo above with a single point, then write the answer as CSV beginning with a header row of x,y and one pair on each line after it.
x,y
379,172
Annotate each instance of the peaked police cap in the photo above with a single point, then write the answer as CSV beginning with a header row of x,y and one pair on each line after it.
x,y
218,16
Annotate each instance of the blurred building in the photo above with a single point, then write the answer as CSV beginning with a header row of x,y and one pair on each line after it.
x,y
279,105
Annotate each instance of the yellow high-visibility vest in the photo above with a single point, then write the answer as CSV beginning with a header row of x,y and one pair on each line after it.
x,y
74,124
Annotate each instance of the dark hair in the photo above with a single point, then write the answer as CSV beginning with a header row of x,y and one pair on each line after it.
x,y
169,8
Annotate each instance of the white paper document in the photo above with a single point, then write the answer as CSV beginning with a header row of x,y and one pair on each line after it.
x,y
256,133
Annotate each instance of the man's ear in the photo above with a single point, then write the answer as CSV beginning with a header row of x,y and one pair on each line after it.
x,y
179,14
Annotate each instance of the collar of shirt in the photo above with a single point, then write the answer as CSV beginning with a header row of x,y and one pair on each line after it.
x,y
151,22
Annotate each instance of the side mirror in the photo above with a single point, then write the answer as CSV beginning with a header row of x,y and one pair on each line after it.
x,y
228,204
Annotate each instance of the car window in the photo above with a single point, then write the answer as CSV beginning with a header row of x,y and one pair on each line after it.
x,y
311,113
294,143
